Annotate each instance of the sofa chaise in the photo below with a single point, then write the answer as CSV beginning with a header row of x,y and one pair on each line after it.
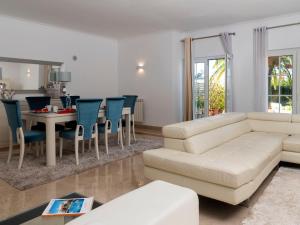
x,y
225,157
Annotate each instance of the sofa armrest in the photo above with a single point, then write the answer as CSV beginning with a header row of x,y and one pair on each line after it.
x,y
158,203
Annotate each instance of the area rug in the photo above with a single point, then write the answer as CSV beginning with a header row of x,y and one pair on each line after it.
x,y
35,172
280,202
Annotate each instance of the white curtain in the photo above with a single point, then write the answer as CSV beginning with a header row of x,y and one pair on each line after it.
x,y
260,51
227,45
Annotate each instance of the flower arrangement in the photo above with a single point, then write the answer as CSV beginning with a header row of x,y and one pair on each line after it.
x,y
6,93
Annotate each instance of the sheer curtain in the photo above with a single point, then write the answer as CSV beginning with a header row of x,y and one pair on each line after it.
x,y
260,51
227,45
188,87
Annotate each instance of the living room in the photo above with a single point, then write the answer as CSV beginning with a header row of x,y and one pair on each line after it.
x,y
184,62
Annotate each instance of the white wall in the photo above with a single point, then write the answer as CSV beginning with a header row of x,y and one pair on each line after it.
x,y
94,74
243,78
161,86
158,84
103,71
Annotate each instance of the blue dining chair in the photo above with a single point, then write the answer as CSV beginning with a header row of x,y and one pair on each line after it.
x,y
39,102
16,133
130,101
113,120
63,99
87,127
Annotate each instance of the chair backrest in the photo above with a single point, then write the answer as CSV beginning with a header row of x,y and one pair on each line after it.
x,y
87,115
13,112
63,100
38,102
114,108
130,101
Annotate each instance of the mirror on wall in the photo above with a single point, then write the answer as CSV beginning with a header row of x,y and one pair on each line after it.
x,y
26,75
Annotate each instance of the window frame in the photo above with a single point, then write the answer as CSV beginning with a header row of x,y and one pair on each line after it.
x,y
282,52
205,60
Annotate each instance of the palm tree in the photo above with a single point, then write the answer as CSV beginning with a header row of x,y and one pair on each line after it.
x,y
216,89
220,68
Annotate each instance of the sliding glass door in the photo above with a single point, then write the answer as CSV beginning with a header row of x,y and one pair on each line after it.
x,y
209,86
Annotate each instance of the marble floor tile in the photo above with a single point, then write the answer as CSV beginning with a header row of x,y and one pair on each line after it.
x,y
108,182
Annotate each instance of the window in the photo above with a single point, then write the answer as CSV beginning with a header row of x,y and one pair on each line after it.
x,y
209,86
281,76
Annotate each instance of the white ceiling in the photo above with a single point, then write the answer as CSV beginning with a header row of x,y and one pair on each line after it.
x,y
124,18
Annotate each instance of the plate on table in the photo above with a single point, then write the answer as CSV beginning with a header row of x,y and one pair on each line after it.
x,y
43,110
64,111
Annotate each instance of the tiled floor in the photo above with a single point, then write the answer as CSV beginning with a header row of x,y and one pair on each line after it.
x,y
106,183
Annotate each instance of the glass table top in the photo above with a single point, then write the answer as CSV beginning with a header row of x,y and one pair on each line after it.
x,y
33,216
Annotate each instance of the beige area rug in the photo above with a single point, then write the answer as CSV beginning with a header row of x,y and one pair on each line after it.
x,y
34,171
280,202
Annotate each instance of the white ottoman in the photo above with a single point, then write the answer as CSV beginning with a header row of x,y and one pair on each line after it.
x,y
158,203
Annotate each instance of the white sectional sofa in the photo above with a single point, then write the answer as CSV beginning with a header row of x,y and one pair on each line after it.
x,y
225,157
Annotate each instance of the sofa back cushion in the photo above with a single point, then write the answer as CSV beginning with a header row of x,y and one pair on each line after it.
x,y
295,118
270,122
264,116
295,125
270,126
203,142
295,128
174,144
188,129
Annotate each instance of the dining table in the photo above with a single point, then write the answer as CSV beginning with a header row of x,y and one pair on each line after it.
x,y
52,118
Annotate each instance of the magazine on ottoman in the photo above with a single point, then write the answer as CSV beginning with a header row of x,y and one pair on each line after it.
x,y
68,207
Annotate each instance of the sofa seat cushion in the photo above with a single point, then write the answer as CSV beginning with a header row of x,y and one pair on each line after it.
x,y
188,129
232,164
292,143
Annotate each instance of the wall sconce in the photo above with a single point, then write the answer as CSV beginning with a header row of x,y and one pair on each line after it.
x,y
140,68
28,72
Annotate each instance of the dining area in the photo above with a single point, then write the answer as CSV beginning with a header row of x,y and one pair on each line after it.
x,y
79,121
